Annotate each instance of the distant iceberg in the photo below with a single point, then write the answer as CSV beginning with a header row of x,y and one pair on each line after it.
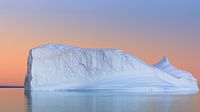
x,y
55,67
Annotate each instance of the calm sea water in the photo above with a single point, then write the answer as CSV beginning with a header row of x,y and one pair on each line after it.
x,y
14,100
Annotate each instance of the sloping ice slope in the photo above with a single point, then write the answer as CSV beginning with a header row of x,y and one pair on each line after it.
x,y
165,65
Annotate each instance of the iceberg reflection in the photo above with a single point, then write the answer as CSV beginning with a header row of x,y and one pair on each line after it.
x,y
107,102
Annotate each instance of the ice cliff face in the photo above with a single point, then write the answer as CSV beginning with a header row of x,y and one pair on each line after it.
x,y
61,67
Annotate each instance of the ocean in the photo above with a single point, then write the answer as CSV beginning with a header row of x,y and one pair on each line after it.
x,y
16,100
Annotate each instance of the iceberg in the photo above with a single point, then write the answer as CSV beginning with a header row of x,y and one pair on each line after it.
x,y
57,67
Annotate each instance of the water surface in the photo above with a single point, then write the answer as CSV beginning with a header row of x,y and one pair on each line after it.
x,y
14,100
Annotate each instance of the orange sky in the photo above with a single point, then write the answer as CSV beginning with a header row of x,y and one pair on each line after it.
x,y
149,30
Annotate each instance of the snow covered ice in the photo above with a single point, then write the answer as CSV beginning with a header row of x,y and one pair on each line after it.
x,y
55,67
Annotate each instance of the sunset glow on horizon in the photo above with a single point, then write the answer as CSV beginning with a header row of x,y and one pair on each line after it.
x,y
148,29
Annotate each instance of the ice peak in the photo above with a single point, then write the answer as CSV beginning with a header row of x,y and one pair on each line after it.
x,y
163,61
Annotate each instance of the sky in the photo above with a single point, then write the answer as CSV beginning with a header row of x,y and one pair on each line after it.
x,y
149,29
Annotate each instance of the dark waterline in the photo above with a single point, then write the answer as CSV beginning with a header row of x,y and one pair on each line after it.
x,y
11,86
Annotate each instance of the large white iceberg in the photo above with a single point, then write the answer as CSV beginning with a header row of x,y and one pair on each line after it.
x,y
60,67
